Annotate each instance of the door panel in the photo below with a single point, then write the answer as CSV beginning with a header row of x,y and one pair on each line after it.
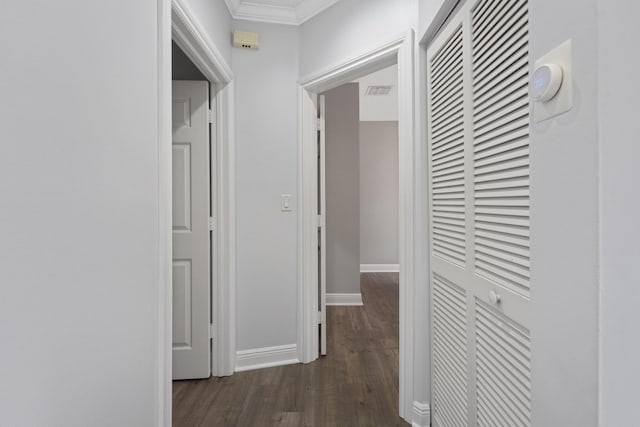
x,y
182,304
450,353
181,187
191,271
478,129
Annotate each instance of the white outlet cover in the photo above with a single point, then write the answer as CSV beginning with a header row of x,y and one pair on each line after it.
x,y
563,101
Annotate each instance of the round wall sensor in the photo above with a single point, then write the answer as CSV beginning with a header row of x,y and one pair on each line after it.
x,y
546,81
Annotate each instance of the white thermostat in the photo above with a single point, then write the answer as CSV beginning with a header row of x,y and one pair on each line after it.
x,y
546,81
551,85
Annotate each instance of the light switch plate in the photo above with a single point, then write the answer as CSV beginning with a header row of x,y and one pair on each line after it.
x,y
563,101
285,203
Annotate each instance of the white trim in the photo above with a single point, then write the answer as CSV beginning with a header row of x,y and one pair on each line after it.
x,y
379,268
422,305
421,415
307,304
223,258
266,357
192,38
438,21
165,232
344,299
400,51
286,15
382,57
175,20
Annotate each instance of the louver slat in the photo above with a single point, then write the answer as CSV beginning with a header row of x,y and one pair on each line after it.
x,y
449,354
503,365
501,146
447,151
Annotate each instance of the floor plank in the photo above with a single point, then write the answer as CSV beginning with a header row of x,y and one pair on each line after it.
x,y
356,384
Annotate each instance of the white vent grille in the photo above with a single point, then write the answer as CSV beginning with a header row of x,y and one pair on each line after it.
x,y
449,354
501,142
378,90
447,151
503,370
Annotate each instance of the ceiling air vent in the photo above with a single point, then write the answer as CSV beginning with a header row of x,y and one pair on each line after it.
x,y
378,90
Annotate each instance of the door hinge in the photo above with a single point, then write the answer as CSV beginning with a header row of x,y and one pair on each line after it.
x,y
319,124
320,221
212,332
211,223
321,318
210,116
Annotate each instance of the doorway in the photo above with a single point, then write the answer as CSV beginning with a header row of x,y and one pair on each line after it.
x,y
199,60
359,192
399,51
192,181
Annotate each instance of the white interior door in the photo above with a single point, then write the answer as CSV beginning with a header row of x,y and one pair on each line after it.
x,y
191,271
322,229
478,119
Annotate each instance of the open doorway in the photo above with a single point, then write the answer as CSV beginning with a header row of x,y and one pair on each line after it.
x,y
359,188
398,52
180,27
360,183
192,181
203,74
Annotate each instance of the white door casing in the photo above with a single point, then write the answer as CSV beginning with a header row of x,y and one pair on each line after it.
x,y
400,51
478,130
177,22
191,240
322,228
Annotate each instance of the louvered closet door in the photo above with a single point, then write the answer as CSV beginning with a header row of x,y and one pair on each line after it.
x,y
478,121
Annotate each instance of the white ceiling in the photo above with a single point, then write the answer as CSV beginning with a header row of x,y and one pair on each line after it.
x,y
290,12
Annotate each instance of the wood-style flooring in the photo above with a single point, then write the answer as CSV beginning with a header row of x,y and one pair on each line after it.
x,y
356,384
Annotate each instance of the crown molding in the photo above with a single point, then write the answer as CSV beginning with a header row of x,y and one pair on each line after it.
x,y
247,10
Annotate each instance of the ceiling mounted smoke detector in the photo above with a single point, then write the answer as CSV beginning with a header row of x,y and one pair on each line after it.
x,y
378,90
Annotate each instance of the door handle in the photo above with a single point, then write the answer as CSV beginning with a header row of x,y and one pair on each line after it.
x,y
494,298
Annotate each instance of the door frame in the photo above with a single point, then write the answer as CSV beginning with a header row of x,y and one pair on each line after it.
x,y
396,51
177,22
190,37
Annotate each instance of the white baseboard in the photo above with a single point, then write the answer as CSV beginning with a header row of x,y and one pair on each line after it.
x,y
266,357
344,299
421,414
379,268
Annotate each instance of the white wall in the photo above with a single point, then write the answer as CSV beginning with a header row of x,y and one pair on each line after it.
x,y
216,20
79,219
342,152
266,141
352,27
379,108
564,227
618,95
379,193
428,9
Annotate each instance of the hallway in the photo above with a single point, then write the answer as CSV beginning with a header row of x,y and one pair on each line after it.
x,y
356,384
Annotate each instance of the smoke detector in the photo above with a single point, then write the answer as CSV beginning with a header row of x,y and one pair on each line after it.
x,y
378,90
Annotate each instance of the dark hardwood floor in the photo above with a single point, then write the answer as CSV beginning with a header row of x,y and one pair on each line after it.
x,y
356,384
